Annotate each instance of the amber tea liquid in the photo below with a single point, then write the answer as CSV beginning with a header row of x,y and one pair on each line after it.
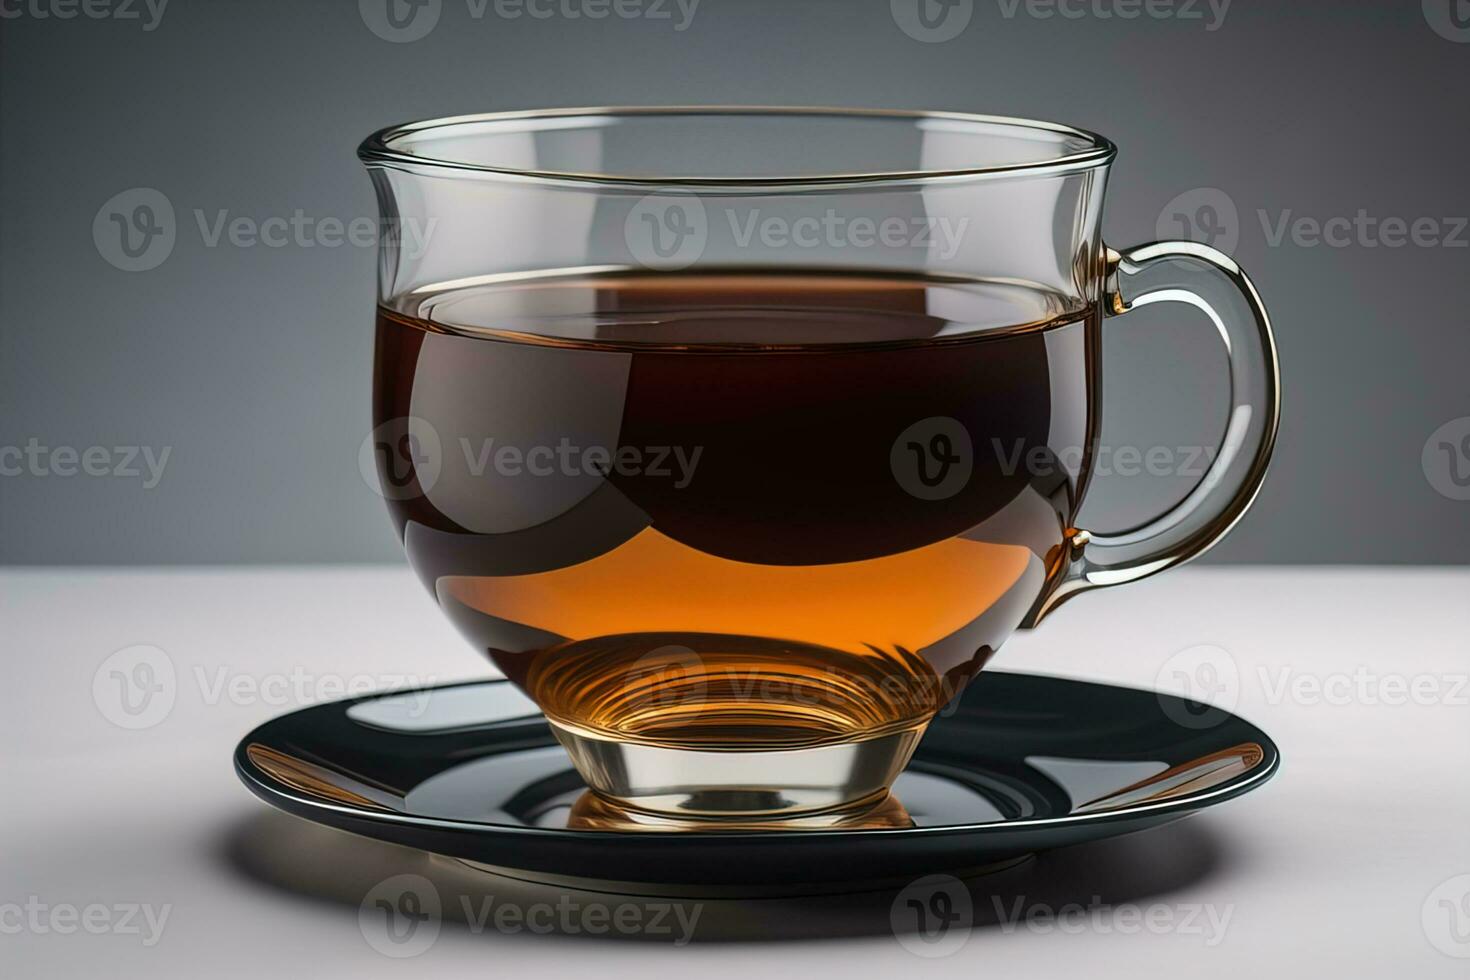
x,y
734,510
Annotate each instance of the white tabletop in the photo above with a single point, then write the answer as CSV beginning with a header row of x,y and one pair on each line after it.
x,y
133,852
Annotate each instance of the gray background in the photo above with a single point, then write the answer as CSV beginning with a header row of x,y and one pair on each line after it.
x,y
252,364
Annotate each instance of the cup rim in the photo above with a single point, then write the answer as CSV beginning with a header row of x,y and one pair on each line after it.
x,y
1097,151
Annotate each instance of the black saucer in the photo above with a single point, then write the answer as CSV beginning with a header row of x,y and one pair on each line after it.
x,y
1021,763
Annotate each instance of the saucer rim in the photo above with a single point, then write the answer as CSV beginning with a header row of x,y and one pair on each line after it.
x,y
283,797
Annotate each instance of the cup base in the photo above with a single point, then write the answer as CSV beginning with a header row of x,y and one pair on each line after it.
x,y
883,811
680,784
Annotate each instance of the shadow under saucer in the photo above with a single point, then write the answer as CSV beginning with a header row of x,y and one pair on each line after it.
x,y
298,858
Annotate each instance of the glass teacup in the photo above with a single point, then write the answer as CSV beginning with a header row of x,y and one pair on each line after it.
x,y
740,439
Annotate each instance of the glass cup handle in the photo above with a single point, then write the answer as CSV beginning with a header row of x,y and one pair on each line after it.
x,y
1203,277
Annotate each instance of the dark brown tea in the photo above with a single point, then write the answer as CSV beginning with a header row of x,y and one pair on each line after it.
x,y
734,509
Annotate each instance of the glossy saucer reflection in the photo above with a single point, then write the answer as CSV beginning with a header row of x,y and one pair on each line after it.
x,y
1020,763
